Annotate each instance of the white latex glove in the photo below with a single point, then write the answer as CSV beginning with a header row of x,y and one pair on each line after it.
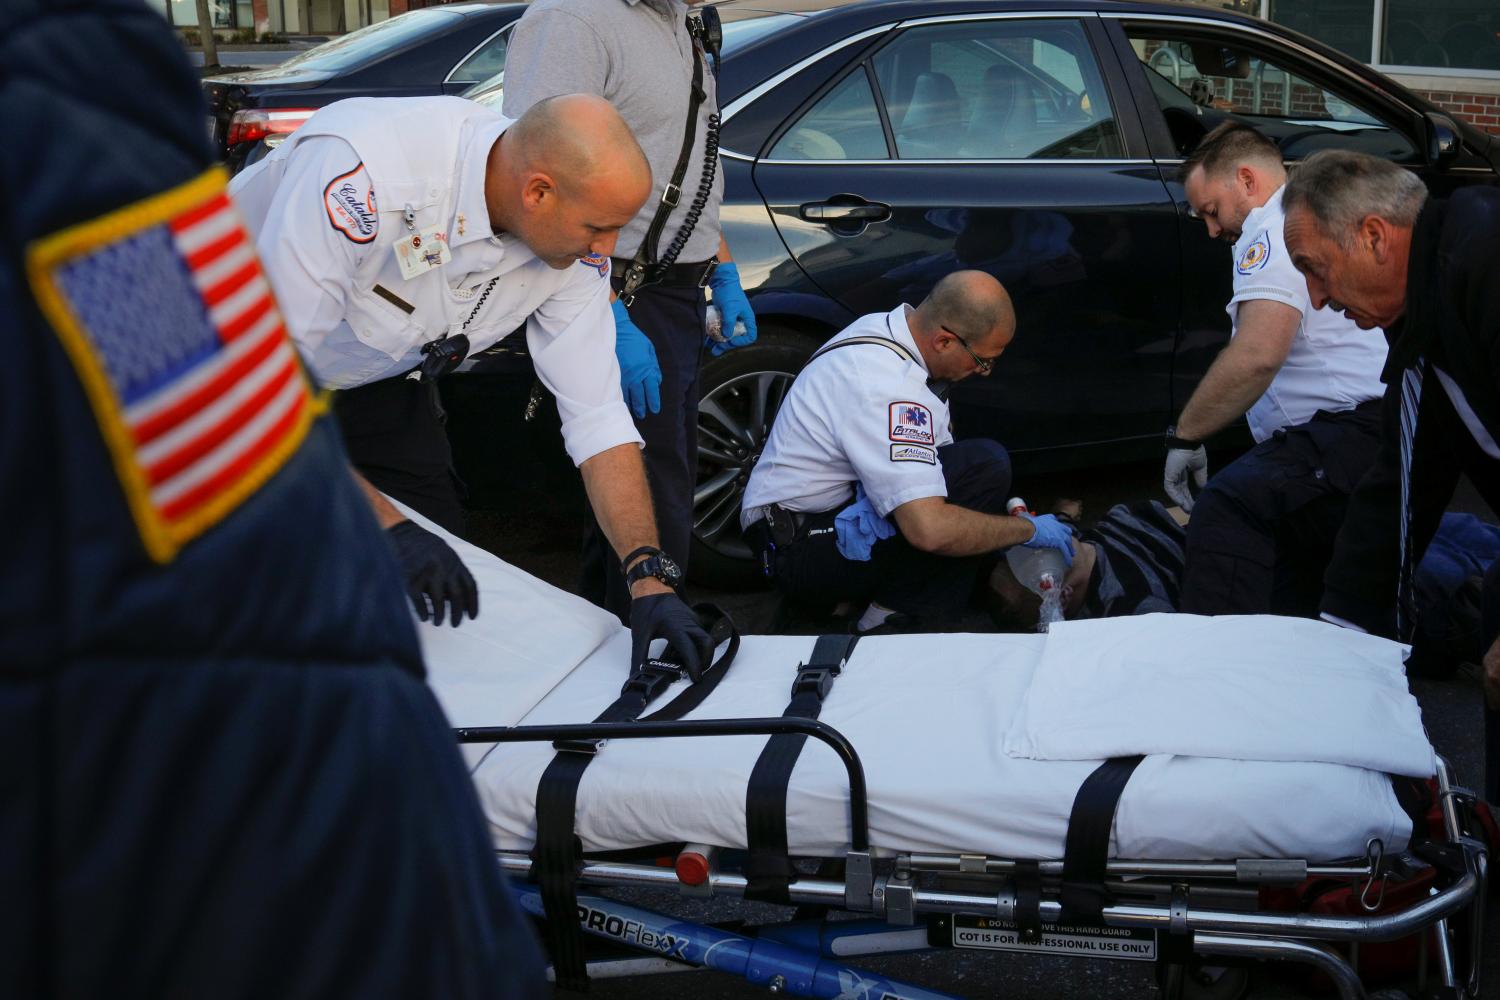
x,y
1181,462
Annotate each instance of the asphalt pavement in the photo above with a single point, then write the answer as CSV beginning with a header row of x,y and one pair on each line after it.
x,y
539,528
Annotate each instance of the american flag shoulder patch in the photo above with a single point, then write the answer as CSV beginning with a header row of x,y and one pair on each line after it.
x,y
164,311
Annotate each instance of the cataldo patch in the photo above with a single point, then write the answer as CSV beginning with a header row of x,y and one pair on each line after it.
x,y
913,453
911,423
349,201
598,262
1255,256
170,324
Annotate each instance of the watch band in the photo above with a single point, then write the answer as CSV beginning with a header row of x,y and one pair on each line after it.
x,y
1173,441
644,550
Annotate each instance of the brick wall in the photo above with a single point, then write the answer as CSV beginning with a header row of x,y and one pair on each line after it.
x,y
1482,110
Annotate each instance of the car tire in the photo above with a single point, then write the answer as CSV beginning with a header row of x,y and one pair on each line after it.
x,y
739,393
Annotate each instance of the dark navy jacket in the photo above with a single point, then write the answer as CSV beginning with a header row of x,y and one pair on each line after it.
x,y
220,771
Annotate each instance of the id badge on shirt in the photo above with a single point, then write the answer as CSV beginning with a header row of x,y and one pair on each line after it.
x,y
420,252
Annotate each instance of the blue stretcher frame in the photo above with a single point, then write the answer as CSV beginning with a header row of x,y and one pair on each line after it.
x,y
786,960
795,958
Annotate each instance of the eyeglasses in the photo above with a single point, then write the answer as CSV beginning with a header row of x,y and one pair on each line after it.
x,y
981,365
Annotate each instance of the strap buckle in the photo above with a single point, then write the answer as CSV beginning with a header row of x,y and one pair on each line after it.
x,y
816,680
654,677
586,747
708,272
671,195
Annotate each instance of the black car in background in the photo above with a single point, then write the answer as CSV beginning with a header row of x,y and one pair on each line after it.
x,y
435,50
871,148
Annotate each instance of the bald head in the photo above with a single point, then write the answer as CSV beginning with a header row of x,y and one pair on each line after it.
x,y
579,138
566,177
965,309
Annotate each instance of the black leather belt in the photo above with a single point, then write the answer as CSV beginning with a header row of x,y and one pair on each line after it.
x,y
680,275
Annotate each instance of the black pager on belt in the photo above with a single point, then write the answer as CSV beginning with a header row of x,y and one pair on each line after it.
x,y
783,525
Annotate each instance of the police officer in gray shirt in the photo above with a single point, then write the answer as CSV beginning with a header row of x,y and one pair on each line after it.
x,y
647,58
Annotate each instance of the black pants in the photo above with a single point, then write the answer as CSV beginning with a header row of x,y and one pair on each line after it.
x,y
1262,532
897,575
397,441
671,316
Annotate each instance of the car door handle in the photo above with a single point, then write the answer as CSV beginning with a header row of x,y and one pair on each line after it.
x,y
829,211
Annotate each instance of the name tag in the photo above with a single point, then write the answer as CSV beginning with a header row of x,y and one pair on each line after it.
x,y
420,252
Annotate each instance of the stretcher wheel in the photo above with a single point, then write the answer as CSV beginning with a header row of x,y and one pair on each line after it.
x,y
1201,982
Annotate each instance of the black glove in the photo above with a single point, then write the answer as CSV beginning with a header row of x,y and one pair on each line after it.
x,y
665,616
435,576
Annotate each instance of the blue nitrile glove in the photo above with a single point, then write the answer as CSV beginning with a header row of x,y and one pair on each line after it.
x,y
733,306
640,375
858,528
1050,534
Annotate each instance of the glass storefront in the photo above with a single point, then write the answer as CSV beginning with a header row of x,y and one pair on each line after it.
x,y
1343,24
1415,34
1447,34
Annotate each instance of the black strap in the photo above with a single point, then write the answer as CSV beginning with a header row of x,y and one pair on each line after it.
x,y
939,387
635,274
1028,879
558,850
865,339
1086,853
768,863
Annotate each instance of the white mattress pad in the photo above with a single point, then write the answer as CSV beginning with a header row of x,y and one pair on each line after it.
x,y
929,715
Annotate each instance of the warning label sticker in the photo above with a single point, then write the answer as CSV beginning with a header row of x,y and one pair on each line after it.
x,y
1131,943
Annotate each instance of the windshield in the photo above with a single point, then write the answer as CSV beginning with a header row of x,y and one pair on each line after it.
x,y
367,43
737,34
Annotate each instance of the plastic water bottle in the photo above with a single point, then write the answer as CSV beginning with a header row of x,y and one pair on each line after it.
x,y
1052,611
1031,565
713,324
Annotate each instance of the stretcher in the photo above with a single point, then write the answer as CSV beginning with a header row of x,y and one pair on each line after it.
x,y
1141,790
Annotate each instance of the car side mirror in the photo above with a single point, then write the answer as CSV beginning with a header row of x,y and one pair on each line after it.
x,y
1442,140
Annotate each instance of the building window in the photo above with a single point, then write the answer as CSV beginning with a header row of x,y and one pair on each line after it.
x,y
184,13
1346,25
1444,34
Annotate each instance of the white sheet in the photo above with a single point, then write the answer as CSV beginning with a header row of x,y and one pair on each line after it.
x,y
1254,687
928,715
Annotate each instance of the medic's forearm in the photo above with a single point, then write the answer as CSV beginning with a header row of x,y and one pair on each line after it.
x,y
615,481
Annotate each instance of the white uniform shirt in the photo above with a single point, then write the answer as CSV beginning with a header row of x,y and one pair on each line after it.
x,y
1333,365
858,414
325,224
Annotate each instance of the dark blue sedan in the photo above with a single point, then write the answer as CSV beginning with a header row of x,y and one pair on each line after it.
x,y
871,148
436,50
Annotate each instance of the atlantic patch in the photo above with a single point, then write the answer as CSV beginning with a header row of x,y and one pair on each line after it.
x,y
598,262
1255,256
349,201
913,453
911,423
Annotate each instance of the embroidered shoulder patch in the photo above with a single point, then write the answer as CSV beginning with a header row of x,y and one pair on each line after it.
x,y
598,262
913,453
911,423
165,314
349,201
1255,256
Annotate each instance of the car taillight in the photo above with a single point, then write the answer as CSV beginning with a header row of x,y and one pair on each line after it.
x,y
254,124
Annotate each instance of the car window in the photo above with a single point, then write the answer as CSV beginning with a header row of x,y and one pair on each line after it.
x,y
355,48
1002,89
843,125
1199,82
485,62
